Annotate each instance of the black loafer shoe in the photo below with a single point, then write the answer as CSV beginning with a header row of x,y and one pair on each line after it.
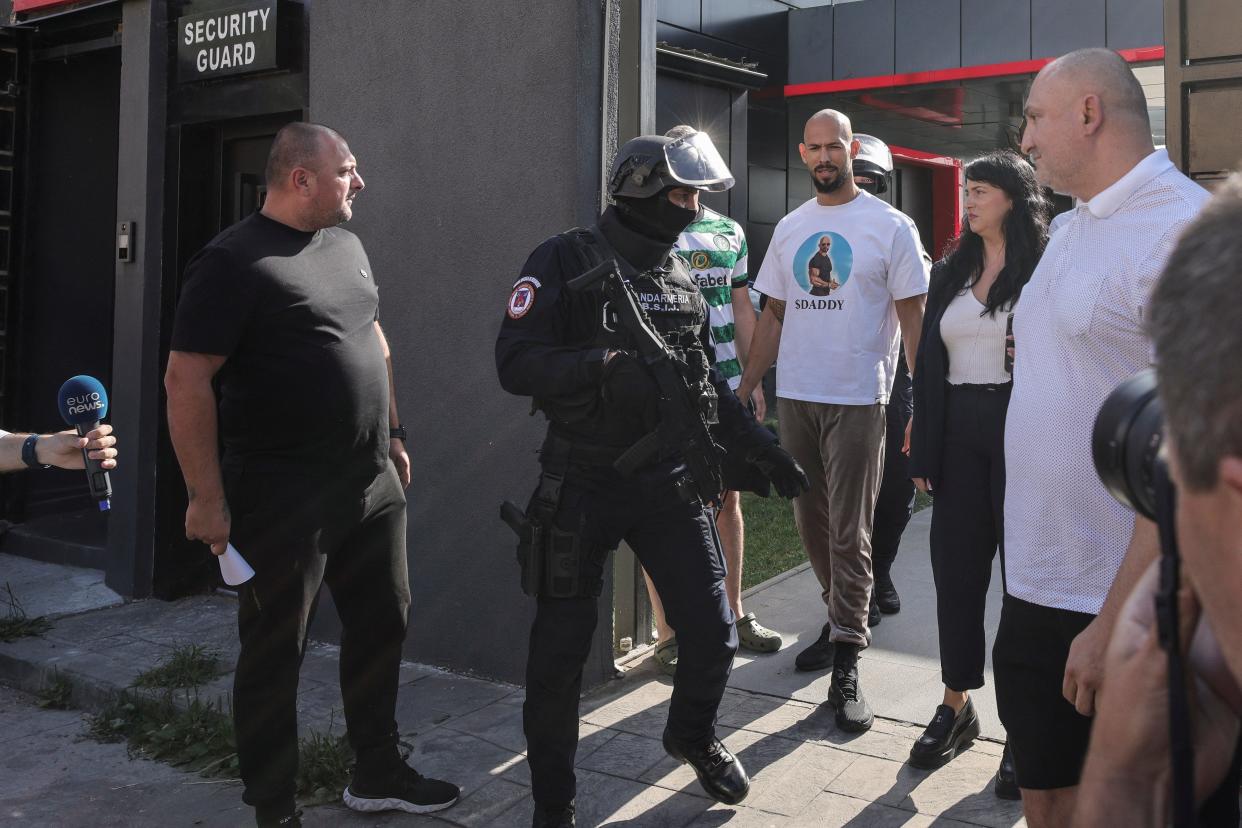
x,y
886,597
873,614
719,771
945,736
1006,786
562,817
818,656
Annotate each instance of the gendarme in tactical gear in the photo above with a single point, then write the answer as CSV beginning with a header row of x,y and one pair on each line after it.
x,y
873,166
639,425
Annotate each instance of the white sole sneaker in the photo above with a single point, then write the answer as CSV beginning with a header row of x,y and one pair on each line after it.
x,y
371,806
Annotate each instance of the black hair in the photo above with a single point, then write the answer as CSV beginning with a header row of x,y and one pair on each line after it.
x,y
1025,229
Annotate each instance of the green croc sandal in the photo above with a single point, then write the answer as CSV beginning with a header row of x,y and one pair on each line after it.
x,y
666,656
755,637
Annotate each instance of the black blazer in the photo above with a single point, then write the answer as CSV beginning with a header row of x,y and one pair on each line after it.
x,y
931,367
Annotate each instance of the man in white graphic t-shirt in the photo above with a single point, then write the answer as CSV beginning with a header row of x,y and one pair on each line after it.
x,y
838,354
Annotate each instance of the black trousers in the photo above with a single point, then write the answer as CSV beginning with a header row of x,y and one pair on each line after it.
x,y
967,527
678,546
297,532
895,503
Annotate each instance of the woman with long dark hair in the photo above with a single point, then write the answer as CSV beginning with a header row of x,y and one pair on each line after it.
x,y
962,382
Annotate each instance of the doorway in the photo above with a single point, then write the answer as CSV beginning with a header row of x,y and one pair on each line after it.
x,y
220,181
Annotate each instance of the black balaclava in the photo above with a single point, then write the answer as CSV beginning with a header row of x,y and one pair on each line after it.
x,y
645,228
657,216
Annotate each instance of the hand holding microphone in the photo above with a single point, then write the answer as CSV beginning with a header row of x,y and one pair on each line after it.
x,y
83,403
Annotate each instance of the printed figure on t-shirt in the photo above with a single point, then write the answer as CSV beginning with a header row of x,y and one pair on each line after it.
x,y
819,270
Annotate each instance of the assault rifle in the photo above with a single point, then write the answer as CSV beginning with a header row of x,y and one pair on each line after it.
x,y
682,426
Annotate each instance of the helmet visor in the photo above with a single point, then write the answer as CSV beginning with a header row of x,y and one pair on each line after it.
x,y
874,150
694,162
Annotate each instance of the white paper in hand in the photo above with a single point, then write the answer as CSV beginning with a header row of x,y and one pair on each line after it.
x,y
233,567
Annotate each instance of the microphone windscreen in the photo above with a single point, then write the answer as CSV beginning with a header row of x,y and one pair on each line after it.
x,y
82,399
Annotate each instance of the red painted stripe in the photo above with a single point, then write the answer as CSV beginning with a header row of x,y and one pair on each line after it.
x,y
926,158
989,70
31,5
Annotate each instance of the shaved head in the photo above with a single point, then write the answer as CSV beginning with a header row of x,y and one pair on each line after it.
x,y
296,145
844,128
1086,122
1104,73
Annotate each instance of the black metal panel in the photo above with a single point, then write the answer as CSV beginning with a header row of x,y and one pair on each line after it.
x,y
684,13
767,136
995,31
1132,24
862,39
1060,26
767,194
929,35
810,44
754,24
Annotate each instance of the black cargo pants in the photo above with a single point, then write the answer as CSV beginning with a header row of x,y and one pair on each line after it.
x,y
678,546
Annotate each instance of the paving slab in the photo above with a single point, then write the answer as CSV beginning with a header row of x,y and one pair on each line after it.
x,y
900,672
52,589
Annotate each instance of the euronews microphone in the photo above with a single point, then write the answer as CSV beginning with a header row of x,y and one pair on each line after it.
x,y
83,403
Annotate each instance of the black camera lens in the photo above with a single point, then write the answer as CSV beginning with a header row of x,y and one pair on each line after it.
x,y
1126,442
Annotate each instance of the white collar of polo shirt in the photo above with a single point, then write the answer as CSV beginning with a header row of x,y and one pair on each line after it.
x,y
1110,199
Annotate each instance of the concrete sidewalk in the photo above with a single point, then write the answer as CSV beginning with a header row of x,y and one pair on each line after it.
x,y
805,772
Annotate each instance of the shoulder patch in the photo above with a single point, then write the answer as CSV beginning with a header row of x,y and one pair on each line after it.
x,y
522,299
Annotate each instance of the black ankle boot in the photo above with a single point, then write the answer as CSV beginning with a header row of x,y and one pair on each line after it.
x,y
554,817
1006,786
719,771
946,735
886,597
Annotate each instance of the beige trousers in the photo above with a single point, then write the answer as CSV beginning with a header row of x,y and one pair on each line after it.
x,y
841,447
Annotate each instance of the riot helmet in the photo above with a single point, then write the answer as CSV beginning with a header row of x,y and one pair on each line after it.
x,y
873,165
648,164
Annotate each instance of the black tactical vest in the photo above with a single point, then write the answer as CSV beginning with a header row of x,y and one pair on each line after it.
x,y
674,307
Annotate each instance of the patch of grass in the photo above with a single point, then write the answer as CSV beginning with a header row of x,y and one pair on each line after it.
x,y
57,694
772,542
921,501
15,623
325,763
190,665
197,737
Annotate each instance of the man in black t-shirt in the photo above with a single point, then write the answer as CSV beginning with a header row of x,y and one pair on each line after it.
x,y
281,310
819,269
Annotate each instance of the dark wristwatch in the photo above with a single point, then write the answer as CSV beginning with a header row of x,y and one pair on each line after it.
x,y
28,453
397,433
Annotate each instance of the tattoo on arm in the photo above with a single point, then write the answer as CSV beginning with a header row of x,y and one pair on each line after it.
x,y
778,308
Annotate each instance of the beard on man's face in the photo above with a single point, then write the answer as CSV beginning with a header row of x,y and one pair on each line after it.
x,y
832,184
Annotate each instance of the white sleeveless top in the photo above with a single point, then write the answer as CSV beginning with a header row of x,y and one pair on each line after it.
x,y
975,344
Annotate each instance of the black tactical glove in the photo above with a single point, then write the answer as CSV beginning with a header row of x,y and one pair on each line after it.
x,y
778,465
629,389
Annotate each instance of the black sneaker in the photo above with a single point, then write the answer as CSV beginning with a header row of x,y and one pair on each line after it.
x,y
405,789
873,614
818,656
853,713
554,817
1006,786
885,594
284,820
946,735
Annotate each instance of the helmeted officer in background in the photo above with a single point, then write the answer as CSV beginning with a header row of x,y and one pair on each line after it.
x,y
873,170
571,351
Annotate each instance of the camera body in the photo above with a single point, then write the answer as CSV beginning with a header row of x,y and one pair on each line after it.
x,y
1127,444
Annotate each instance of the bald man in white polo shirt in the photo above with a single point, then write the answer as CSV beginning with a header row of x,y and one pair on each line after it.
x,y
1072,553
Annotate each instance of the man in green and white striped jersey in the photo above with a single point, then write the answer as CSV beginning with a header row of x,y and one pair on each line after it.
x,y
714,247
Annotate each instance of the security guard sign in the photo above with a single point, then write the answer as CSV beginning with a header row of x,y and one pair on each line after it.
x,y
232,41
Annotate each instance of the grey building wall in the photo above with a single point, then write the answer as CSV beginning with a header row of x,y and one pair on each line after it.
x,y
474,150
921,35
